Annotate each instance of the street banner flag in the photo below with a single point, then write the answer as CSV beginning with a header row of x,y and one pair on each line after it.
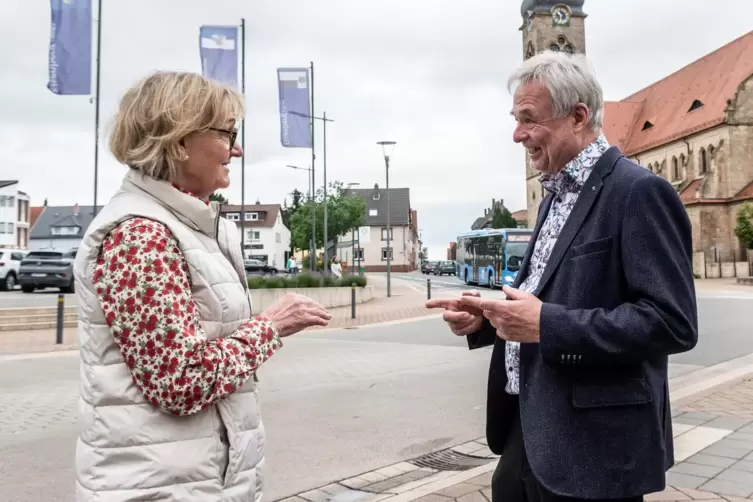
x,y
70,60
295,125
218,47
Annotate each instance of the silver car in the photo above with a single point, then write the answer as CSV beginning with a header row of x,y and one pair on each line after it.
x,y
47,269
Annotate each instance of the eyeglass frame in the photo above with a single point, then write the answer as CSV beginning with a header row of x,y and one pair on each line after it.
x,y
232,135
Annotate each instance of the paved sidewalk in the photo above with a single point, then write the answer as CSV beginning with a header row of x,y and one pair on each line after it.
x,y
713,450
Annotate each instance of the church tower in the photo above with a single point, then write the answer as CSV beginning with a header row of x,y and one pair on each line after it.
x,y
549,25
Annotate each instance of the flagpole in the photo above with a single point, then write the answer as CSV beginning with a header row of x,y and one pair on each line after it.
x,y
243,140
313,179
96,105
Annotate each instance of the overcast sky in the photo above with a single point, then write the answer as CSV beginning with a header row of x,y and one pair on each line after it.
x,y
428,74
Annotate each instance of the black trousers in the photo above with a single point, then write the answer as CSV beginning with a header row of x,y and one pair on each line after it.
x,y
513,480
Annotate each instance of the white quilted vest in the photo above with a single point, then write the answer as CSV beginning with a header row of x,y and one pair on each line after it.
x,y
127,449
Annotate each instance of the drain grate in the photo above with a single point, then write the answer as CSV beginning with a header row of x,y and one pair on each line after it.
x,y
449,460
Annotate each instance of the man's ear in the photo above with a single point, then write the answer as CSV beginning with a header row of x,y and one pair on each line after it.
x,y
581,116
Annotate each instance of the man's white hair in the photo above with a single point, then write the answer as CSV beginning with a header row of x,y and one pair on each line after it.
x,y
570,80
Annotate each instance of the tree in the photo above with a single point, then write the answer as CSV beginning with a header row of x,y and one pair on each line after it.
x,y
344,213
502,218
217,196
744,228
288,211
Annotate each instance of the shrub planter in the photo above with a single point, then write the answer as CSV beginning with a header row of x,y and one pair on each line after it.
x,y
329,298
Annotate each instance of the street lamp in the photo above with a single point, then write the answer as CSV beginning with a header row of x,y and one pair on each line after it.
x,y
353,239
387,148
312,245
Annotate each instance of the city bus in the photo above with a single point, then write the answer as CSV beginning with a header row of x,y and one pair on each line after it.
x,y
491,257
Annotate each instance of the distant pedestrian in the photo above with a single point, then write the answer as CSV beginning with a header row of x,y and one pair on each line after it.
x,y
169,347
292,266
337,269
578,396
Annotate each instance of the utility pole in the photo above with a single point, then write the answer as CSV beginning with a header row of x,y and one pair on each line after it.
x,y
387,147
324,139
96,104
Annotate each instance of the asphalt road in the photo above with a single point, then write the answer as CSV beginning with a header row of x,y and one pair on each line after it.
x,y
335,403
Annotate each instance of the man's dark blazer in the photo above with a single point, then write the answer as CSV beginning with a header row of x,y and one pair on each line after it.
x,y
618,297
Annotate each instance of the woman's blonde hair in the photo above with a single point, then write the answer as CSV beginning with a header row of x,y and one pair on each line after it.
x,y
161,110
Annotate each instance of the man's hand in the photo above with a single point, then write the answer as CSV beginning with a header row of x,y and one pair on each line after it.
x,y
463,320
517,319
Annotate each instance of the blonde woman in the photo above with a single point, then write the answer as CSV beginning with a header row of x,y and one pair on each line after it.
x,y
169,348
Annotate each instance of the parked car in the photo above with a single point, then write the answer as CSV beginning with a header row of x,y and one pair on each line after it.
x,y
445,267
10,261
427,267
258,267
47,269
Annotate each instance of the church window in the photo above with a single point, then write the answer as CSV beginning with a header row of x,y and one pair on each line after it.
x,y
561,40
569,49
695,105
675,169
704,161
554,47
647,125
531,51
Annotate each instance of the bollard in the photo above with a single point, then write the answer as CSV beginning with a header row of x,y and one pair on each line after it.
x,y
428,289
353,301
61,310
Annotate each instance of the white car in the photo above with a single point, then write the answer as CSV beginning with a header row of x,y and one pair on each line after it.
x,y
10,261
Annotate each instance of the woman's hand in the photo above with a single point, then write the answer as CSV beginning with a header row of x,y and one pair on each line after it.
x,y
293,313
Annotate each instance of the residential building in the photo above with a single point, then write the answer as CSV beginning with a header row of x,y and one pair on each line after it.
x,y
267,238
404,243
59,228
14,216
694,128
521,217
485,221
452,251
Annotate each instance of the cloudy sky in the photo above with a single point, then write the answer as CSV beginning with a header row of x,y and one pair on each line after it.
x,y
427,74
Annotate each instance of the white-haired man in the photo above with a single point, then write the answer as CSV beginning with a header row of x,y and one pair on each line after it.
x,y
578,401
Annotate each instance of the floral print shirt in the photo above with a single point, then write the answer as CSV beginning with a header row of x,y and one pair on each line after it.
x,y
144,288
565,187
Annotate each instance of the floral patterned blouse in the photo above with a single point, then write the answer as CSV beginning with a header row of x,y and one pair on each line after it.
x,y
565,186
144,288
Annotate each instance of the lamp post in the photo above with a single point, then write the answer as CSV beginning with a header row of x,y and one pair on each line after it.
x,y
387,148
353,237
312,245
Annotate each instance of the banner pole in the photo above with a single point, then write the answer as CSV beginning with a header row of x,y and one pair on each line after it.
x,y
313,178
243,140
96,105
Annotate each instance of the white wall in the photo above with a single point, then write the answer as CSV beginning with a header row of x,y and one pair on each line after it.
x,y
53,244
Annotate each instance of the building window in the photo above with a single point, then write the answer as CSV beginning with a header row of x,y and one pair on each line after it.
x,y
278,237
359,254
233,216
372,212
252,236
2,227
704,158
10,201
675,169
64,230
384,234
696,104
252,216
384,254
10,228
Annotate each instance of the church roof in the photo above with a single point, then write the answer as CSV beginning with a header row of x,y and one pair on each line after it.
x,y
690,100
535,6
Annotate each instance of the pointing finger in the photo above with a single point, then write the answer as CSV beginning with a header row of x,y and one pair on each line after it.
x,y
441,303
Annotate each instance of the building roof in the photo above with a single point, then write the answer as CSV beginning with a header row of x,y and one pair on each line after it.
x,y
35,211
7,183
61,216
270,213
376,200
669,105
521,215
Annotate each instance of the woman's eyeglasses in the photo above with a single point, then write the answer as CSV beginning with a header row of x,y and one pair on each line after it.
x,y
231,134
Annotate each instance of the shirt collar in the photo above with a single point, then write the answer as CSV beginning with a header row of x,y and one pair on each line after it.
x,y
576,172
202,199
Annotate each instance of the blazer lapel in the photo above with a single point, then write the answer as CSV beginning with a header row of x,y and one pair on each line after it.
x,y
586,199
523,272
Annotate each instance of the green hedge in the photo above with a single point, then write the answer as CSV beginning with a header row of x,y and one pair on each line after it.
x,y
304,281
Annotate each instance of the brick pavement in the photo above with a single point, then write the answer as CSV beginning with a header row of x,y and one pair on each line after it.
x,y
713,451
